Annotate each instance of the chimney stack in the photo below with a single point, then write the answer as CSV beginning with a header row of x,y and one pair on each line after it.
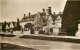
x,y
29,13
49,10
60,13
43,10
53,13
49,7
24,15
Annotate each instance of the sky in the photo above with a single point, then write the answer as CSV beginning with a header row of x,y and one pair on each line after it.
x,y
10,10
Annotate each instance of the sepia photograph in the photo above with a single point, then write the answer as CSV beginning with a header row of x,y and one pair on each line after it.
x,y
39,24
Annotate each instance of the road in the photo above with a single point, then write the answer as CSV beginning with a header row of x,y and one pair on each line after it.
x,y
41,44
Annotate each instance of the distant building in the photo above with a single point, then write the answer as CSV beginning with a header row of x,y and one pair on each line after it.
x,y
27,19
58,23
45,20
40,21
49,17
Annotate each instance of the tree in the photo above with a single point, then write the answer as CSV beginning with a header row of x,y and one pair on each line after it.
x,y
70,18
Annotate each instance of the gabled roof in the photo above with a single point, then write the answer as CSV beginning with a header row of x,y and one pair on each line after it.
x,y
60,15
55,16
32,17
28,18
43,15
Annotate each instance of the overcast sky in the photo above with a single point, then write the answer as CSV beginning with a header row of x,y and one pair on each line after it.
x,y
13,9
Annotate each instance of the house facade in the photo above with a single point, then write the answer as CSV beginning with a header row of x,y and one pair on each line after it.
x,y
58,23
45,21
27,19
39,21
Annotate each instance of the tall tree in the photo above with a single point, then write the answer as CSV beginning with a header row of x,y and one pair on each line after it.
x,y
71,16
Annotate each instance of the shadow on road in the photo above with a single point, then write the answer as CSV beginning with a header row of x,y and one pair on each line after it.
x,y
7,46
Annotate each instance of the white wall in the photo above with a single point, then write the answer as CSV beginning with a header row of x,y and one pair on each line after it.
x,y
55,31
78,33
58,22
